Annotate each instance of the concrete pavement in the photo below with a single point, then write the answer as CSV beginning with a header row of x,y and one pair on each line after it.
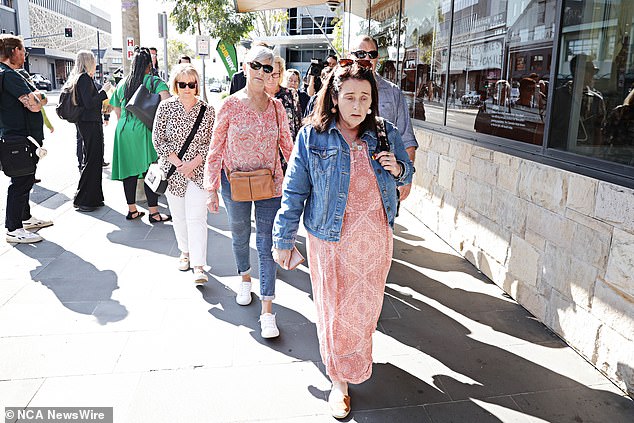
x,y
98,315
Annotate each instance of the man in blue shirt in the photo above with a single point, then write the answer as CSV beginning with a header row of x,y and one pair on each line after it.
x,y
20,115
392,104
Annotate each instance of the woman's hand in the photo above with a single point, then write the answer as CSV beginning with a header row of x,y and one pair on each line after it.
x,y
282,257
187,168
212,202
389,163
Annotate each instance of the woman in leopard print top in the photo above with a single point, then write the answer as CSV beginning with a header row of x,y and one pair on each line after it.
x,y
185,193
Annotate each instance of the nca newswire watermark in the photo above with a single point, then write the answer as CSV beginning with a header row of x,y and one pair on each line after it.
x,y
58,414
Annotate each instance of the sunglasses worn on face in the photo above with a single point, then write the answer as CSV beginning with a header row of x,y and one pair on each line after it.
x,y
191,85
257,66
360,54
361,63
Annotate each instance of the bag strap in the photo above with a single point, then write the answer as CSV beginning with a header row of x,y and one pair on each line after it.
x,y
277,145
189,139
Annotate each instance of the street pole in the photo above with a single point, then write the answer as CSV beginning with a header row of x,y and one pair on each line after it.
x,y
164,17
99,60
129,29
204,88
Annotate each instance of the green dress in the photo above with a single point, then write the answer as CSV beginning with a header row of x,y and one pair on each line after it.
x,y
133,150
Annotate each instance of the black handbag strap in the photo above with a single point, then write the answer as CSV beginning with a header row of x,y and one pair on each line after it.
x,y
189,139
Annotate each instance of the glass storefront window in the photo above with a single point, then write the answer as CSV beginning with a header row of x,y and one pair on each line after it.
x,y
593,103
499,66
406,58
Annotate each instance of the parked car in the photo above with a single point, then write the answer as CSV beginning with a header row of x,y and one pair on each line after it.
x,y
472,98
215,87
41,83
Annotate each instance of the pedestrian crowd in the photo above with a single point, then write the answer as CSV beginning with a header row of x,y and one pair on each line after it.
x,y
341,159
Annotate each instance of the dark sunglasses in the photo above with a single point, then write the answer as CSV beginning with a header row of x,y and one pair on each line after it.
x,y
257,66
360,54
361,63
191,85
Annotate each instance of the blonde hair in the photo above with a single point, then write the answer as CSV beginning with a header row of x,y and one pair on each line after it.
x,y
85,62
282,62
186,69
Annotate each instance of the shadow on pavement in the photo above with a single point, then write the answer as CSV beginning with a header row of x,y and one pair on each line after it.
x,y
85,290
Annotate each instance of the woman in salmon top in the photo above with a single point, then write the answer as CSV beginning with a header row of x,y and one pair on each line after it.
x,y
249,127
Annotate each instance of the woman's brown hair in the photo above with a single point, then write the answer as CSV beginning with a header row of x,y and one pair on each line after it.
x,y
8,43
323,115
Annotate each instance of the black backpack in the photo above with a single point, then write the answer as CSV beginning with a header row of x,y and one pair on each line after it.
x,y
66,109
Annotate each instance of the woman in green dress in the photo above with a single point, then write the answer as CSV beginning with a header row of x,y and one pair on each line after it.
x,y
133,150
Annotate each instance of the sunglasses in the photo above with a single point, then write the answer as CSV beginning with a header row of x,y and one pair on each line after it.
x,y
361,63
360,54
257,66
191,85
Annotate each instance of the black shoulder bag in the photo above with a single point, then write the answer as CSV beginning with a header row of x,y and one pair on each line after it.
x,y
155,178
144,103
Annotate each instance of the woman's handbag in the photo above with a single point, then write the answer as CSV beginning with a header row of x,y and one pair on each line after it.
x,y
17,156
144,103
257,184
155,179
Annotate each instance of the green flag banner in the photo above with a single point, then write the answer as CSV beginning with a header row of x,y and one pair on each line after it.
x,y
227,53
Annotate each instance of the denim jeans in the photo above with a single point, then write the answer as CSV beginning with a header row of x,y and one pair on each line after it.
x,y
240,222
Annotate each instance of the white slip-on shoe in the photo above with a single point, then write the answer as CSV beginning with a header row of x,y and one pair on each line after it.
x,y
268,326
22,236
199,276
35,223
183,263
244,293
339,404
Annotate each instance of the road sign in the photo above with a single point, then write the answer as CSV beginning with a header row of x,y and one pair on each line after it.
x,y
202,45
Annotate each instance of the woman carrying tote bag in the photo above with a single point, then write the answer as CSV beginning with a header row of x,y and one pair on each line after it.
x,y
133,151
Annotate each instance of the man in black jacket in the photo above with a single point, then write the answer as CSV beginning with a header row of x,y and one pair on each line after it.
x,y
20,114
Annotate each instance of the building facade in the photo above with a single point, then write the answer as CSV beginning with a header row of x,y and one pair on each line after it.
x,y
43,23
526,157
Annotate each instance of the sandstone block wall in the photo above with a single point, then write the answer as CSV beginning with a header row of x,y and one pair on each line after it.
x,y
560,243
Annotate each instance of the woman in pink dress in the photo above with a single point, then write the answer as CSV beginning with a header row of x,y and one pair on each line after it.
x,y
343,176
250,128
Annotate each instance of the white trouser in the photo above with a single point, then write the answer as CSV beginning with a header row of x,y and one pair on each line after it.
x,y
189,215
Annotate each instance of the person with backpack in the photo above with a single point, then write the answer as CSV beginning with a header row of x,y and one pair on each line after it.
x,y
20,115
81,84
133,151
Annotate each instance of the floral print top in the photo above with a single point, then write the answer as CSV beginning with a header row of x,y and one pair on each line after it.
x,y
245,139
290,100
172,126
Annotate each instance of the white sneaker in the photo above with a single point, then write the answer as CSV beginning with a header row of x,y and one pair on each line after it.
x,y
244,294
268,326
22,236
199,276
35,223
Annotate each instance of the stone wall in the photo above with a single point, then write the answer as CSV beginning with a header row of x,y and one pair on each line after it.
x,y
559,243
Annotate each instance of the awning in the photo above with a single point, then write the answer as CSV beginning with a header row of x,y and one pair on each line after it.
x,y
252,5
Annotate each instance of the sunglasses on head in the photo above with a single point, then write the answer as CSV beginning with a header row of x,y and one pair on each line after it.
x,y
361,63
191,85
360,54
257,66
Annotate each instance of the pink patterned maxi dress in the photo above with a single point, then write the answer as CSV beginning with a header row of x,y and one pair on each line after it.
x,y
348,277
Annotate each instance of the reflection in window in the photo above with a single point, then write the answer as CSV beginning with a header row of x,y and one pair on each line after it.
x,y
593,108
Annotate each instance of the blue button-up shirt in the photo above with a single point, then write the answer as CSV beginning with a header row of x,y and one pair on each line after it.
x,y
318,178
393,107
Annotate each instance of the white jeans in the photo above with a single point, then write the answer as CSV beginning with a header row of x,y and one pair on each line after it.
x,y
189,215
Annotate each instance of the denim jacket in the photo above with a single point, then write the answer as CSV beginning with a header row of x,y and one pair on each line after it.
x,y
318,178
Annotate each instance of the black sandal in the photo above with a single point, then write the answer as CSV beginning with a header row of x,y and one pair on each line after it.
x,y
134,215
160,218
